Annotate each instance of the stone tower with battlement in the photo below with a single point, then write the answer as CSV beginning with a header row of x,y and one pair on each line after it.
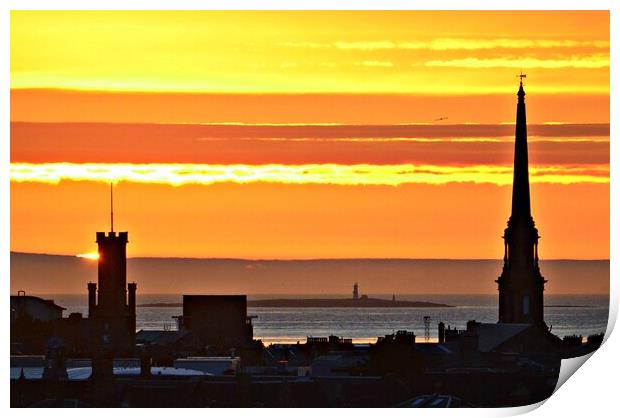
x,y
111,301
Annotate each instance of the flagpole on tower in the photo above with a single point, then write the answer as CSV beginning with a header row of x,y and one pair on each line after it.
x,y
111,208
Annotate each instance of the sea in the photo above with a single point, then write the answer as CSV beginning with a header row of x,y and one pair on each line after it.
x,y
565,314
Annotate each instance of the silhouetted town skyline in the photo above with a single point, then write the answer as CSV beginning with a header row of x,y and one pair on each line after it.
x,y
213,358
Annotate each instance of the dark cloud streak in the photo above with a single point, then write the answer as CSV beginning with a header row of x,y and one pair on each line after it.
x,y
245,144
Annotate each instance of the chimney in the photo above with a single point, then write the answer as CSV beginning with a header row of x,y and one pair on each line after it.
x,y
441,328
92,298
131,302
131,297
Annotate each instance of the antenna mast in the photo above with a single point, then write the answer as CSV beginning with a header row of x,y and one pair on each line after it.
x,y
111,209
427,329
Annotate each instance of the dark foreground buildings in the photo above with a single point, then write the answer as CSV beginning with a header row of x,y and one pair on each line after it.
x,y
110,327
213,361
217,320
211,325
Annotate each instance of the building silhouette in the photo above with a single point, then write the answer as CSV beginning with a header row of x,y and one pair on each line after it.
x,y
112,308
521,285
36,308
220,321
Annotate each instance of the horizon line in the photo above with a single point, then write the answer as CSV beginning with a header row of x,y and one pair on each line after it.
x,y
329,294
309,259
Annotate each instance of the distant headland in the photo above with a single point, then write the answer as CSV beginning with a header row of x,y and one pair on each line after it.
x,y
363,302
356,301
322,303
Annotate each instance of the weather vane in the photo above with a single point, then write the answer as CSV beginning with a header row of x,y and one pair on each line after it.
x,y
521,76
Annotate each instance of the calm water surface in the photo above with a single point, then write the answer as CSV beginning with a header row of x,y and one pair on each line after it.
x,y
567,314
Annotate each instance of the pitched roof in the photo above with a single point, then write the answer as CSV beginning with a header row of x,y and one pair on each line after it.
x,y
48,302
490,336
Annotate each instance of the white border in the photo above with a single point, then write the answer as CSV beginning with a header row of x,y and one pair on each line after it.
x,y
592,392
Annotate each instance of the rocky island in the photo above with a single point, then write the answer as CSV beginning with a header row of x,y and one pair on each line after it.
x,y
356,301
363,302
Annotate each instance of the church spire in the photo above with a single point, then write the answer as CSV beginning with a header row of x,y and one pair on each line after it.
x,y
521,285
521,185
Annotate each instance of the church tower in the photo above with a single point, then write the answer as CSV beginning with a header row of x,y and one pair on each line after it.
x,y
521,285
112,310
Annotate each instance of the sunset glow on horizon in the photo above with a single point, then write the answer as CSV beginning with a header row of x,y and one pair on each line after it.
x,y
307,134
89,256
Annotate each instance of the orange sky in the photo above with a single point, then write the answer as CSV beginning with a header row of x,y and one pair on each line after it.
x,y
412,157
310,221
